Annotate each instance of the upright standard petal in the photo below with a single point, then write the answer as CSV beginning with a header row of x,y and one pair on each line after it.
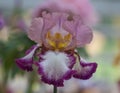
x,y
40,26
36,28
82,34
26,62
84,70
54,68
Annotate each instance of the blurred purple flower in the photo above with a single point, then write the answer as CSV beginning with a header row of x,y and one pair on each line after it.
x,y
58,32
2,22
21,25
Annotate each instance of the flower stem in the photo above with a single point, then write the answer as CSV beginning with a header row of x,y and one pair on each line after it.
x,y
55,89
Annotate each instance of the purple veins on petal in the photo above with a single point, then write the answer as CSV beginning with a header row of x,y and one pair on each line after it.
x,y
86,70
72,61
26,62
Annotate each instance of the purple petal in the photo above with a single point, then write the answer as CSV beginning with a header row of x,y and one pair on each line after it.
x,y
59,82
72,61
86,71
54,68
26,62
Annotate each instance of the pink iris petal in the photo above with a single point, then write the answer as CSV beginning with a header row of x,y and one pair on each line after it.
x,y
40,26
54,68
35,30
49,22
85,70
82,34
26,62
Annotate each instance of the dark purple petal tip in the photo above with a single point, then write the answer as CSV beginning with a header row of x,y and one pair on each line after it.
x,y
25,64
87,70
59,82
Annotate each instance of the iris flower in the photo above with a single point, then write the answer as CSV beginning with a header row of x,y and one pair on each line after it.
x,y
57,34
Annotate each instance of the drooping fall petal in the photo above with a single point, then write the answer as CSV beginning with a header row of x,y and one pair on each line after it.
x,y
84,70
35,30
54,68
26,62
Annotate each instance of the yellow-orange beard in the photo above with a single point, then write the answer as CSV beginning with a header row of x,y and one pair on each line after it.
x,y
57,41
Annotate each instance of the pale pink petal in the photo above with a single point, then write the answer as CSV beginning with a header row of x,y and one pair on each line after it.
x,y
71,26
84,35
35,30
81,33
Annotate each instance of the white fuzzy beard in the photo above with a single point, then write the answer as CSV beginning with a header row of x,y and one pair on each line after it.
x,y
55,64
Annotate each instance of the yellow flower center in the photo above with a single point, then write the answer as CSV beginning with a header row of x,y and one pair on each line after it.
x,y
57,41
